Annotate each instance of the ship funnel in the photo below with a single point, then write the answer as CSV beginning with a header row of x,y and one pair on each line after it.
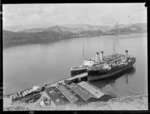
x,y
101,56
97,57
126,51
97,53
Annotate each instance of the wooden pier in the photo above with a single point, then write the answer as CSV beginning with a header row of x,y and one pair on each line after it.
x,y
80,77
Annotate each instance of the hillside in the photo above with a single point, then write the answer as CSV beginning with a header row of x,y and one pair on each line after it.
x,y
58,32
125,103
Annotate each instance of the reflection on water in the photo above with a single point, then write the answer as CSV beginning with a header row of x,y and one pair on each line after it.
x,y
124,77
129,73
110,80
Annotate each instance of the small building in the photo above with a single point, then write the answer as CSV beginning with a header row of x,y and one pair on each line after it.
x,y
71,97
57,100
80,99
81,92
61,95
92,89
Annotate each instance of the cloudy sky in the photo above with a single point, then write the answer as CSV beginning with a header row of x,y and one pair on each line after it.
x,y
97,14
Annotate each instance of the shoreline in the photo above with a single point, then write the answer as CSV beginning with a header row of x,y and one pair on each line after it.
x,y
9,44
138,101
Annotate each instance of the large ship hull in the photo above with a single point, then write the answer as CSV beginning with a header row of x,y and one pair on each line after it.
x,y
99,74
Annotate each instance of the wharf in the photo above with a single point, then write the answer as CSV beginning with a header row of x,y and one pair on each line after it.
x,y
81,77
73,93
61,93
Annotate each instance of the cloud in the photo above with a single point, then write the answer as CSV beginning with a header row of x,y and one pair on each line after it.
x,y
74,13
48,9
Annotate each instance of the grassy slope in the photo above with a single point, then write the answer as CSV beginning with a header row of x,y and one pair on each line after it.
x,y
133,102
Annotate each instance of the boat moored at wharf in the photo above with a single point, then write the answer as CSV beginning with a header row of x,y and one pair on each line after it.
x,y
87,63
104,66
110,66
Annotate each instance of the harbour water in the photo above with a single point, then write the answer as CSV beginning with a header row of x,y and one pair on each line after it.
x,y
39,64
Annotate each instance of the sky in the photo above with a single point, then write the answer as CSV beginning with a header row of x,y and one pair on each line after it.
x,y
92,13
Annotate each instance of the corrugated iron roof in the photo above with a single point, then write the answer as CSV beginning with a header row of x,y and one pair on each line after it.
x,y
72,98
54,96
91,89
84,94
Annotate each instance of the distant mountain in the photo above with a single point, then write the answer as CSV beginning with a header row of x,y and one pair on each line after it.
x,y
125,29
57,32
16,28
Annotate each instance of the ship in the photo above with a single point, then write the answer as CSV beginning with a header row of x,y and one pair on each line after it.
x,y
86,64
111,65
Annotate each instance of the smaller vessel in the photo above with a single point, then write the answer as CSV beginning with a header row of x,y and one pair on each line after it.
x,y
87,63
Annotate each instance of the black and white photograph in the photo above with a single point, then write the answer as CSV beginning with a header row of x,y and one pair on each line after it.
x,y
73,56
